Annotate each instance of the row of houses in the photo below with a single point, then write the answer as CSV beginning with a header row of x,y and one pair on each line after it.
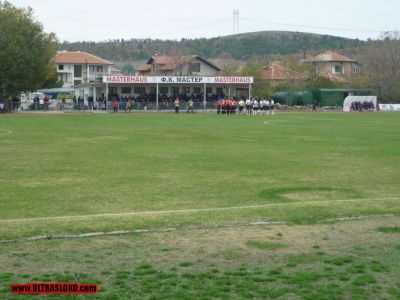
x,y
86,72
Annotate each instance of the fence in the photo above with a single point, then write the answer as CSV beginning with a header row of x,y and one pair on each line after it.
x,y
107,106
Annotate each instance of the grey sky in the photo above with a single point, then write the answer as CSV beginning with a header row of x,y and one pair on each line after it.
x,y
96,20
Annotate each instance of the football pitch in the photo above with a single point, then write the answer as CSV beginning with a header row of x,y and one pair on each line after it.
x,y
227,179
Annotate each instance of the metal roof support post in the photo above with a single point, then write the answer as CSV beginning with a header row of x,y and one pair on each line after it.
x,y
94,97
250,91
157,96
106,96
204,96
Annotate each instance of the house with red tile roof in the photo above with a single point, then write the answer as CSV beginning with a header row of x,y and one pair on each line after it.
x,y
334,66
276,73
193,65
75,68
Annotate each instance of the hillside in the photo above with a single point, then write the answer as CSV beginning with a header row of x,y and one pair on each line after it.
x,y
240,46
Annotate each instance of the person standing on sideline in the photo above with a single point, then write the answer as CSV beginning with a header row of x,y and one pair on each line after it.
x,y
62,105
272,107
46,103
248,107
115,105
128,105
190,106
241,105
314,105
36,101
255,106
177,104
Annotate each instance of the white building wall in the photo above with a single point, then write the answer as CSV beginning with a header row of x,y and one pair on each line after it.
x,y
89,73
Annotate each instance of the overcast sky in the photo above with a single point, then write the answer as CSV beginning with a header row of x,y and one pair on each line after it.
x,y
99,20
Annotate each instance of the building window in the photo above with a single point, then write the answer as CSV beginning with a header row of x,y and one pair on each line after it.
x,y
356,69
77,71
196,90
220,90
61,67
126,90
65,77
163,90
153,90
194,67
186,90
209,90
175,90
99,69
337,69
139,90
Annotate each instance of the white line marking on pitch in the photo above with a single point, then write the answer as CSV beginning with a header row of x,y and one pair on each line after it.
x,y
7,132
267,123
192,210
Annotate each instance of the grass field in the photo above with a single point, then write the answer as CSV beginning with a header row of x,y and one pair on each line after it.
x,y
82,173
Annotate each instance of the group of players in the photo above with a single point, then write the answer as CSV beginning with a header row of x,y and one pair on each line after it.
x,y
253,106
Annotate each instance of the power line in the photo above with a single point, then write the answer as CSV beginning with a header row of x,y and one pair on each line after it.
x,y
311,26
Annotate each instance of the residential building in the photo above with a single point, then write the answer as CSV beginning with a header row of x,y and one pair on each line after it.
x,y
276,73
194,65
334,66
76,68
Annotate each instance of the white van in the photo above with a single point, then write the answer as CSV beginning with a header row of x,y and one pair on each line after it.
x,y
27,99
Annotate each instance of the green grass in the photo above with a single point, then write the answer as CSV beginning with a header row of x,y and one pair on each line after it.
x,y
243,283
391,229
69,165
304,169
265,245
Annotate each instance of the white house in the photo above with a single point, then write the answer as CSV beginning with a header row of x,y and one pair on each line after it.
x,y
81,71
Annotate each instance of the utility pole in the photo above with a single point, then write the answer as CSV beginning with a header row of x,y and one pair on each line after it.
x,y
235,21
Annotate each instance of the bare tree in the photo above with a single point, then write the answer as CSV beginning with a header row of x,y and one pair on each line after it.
x,y
381,67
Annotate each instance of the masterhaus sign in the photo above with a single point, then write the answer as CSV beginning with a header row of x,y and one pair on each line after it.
x,y
177,79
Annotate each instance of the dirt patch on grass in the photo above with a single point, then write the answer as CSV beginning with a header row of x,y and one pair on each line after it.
x,y
205,247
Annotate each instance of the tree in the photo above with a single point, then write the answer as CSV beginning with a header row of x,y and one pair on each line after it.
x,y
381,67
128,69
26,53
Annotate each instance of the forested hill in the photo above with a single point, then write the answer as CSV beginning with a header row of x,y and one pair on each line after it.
x,y
240,46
